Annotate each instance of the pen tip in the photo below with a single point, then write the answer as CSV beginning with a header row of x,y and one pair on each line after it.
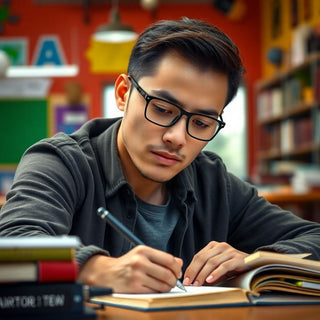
x,y
181,286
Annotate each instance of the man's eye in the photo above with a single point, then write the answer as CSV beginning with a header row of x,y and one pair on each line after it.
x,y
200,123
161,109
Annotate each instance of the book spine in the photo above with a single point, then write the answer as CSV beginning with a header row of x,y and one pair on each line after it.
x,y
36,254
41,271
26,299
53,271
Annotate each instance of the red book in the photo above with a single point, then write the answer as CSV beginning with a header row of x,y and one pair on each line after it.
x,y
41,271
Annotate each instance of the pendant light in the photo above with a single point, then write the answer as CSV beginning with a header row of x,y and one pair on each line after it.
x,y
115,31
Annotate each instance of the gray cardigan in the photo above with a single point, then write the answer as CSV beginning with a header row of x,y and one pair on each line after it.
x,y
62,181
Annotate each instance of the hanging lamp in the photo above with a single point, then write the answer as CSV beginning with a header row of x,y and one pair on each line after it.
x,y
115,31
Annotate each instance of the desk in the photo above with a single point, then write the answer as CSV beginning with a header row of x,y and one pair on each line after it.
x,y
305,205
237,313
286,195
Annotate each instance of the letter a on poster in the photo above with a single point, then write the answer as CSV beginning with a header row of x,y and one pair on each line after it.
x,y
49,52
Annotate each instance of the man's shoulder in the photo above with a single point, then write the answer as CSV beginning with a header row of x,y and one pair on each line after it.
x,y
206,164
208,158
75,145
90,130
93,128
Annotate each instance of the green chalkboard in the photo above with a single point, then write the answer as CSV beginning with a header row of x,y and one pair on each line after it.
x,y
22,123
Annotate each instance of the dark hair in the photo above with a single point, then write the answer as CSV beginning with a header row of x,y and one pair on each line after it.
x,y
203,44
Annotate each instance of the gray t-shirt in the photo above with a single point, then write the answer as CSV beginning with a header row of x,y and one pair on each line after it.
x,y
155,223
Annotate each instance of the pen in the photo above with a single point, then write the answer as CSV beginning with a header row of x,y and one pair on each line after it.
x,y
90,291
117,225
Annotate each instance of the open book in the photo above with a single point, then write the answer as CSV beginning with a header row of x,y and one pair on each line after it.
x,y
273,279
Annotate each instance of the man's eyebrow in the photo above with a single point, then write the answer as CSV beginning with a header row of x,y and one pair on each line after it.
x,y
208,112
166,95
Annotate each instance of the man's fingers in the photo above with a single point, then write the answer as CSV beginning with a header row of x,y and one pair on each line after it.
x,y
158,265
213,263
161,258
199,262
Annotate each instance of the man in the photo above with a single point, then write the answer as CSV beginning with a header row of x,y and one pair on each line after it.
x,y
198,221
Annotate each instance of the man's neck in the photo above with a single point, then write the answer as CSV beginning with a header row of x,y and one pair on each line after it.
x,y
155,194
147,190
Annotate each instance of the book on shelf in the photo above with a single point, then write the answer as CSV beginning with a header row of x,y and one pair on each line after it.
x,y
273,279
38,271
65,299
38,248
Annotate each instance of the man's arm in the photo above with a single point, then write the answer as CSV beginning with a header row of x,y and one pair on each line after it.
x,y
254,225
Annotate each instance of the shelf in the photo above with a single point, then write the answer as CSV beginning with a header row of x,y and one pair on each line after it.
x,y
42,71
300,109
277,154
282,75
288,117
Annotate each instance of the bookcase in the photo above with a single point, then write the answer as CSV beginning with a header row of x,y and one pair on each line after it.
x,y
288,119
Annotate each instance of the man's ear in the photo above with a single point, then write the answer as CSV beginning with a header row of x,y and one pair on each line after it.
x,y
122,90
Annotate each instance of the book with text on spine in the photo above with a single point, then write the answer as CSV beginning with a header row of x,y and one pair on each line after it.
x,y
60,299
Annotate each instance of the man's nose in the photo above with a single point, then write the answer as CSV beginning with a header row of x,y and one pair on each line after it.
x,y
176,135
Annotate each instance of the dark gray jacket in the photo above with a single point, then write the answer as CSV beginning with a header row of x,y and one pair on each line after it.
x,y
62,181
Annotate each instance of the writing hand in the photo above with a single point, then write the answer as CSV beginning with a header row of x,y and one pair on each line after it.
x,y
141,270
214,263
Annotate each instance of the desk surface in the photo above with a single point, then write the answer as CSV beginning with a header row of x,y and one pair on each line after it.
x,y
286,195
237,313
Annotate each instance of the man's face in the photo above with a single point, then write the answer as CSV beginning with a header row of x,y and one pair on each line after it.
x,y
159,153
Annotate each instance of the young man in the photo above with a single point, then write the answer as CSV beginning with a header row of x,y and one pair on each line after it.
x,y
198,221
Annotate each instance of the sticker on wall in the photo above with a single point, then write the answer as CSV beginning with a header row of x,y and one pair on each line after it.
x,y
109,57
6,15
16,49
67,116
49,52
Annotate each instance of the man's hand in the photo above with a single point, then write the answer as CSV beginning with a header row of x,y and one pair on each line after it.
x,y
141,270
214,263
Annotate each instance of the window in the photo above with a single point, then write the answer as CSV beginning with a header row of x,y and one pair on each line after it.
x,y
110,109
231,142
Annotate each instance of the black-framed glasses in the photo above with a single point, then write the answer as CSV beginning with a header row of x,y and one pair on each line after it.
x,y
165,114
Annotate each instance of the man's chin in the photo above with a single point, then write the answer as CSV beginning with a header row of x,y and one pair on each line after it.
x,y
156,176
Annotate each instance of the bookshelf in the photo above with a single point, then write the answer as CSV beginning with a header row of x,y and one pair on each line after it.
x,y
288,119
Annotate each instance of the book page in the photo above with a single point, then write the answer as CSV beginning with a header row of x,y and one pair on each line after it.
x,y
191,290
261,258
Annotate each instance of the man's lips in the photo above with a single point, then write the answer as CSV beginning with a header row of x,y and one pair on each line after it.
x,y
166,158
167,155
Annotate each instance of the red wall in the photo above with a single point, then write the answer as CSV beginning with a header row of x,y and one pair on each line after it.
x,y
68,22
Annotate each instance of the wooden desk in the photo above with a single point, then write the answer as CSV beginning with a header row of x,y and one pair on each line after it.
x,y
286,195
238,313
305,205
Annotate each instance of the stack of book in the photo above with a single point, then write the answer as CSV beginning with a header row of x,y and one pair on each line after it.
x,y
38,276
